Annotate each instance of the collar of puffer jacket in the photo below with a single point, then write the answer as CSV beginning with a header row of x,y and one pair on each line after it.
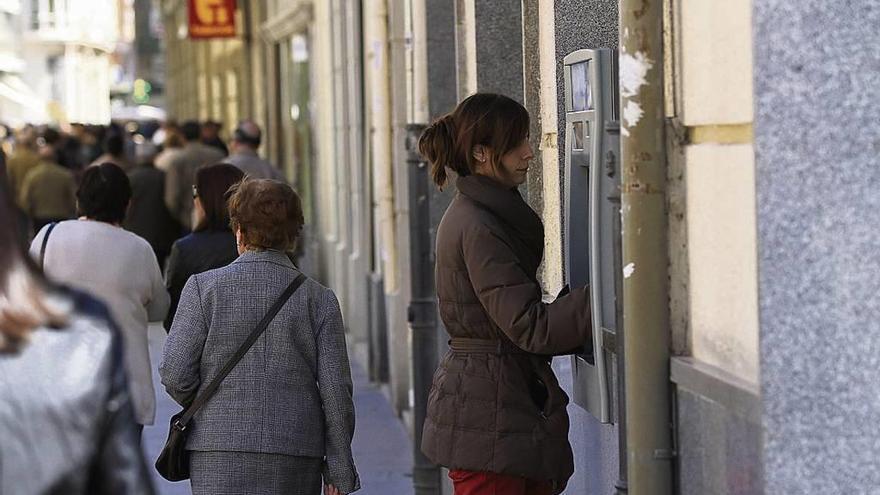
x,y
509,206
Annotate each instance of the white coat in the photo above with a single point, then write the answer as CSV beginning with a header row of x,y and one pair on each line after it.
x,y
120,269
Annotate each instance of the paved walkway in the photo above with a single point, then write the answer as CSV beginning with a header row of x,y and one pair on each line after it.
x,y
382,449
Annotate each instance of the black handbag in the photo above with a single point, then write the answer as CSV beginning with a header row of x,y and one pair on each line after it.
x,y
173,461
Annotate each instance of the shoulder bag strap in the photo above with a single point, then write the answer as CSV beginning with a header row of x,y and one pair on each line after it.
x,y
215,383
46,241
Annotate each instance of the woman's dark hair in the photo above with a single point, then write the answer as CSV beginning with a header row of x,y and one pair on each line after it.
x,y
212,184
104,193
191,130
491,120
114,143
268,213
24,301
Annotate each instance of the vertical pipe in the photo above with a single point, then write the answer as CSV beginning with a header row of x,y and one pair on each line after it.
x,y
621,485
422,313
645,257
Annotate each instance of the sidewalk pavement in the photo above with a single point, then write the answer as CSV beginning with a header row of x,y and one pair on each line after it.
x,y
382,449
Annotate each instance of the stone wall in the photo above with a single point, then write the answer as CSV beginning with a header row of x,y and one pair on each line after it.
x,y
817,88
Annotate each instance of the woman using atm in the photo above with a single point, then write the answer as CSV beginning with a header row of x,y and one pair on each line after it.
x,y
496,414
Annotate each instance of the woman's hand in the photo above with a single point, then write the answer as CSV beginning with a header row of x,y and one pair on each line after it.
x,y
331,490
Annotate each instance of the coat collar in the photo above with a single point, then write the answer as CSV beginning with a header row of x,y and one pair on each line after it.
x,y
509,206
266,255
245,152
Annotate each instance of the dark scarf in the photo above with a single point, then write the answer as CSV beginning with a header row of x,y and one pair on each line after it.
x,y
518,219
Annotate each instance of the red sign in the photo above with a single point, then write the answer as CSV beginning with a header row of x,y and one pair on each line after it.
x,y
211,18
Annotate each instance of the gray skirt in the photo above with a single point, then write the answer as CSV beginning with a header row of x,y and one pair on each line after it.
x,y
238,473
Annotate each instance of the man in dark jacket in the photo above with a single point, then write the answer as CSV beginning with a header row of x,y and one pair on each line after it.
x,y
181,172
211,136
147,215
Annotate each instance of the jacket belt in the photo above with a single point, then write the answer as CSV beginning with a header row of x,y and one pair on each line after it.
x,y
488,346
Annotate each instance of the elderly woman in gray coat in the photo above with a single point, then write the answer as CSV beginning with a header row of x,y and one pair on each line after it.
x,y
284,416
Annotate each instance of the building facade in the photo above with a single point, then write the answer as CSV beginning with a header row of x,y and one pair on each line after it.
x,y
67,46
734,274
16,99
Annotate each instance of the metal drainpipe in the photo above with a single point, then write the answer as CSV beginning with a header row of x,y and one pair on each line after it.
x,y
423,315
423,307
621,486
645,257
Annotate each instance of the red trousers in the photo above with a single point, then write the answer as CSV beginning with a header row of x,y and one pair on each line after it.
x,y
482,483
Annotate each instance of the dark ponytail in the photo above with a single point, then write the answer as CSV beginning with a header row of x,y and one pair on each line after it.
x,y
495,121
437,145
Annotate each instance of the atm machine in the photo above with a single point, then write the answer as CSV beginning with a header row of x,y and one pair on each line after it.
x,y
592,216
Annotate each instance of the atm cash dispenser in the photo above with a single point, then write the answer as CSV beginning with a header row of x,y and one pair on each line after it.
x,y
592,214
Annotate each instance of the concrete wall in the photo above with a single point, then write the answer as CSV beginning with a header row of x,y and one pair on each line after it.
x,y
816,135
499,44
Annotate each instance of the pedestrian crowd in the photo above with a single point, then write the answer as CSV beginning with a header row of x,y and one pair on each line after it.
x,y
256,351
139,223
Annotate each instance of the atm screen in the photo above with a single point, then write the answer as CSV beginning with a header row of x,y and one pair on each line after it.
x,y
581,93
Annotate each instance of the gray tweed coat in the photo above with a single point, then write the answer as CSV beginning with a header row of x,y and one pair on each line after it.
x,y
292,392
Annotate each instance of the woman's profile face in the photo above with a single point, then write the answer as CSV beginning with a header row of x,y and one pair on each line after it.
x,y
515,165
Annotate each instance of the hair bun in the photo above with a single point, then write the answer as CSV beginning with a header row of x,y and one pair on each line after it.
x,y
436,145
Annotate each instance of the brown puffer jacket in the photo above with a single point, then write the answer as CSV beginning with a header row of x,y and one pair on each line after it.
x,y
500,410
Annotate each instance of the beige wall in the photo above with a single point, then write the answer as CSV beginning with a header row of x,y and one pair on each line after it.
x,y
712,186
714,69
722,256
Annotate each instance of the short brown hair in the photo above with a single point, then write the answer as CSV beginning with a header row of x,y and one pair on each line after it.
x,y
268,213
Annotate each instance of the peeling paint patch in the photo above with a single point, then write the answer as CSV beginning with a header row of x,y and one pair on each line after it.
x,y
632,114
633,75
633,72
628,270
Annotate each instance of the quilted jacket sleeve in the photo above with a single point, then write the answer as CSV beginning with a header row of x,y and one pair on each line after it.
x,y
513,300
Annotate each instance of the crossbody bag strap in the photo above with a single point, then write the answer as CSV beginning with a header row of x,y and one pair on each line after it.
x,y
45,242
215,383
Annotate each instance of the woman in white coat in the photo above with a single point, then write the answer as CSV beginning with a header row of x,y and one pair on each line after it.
x,y
95,254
